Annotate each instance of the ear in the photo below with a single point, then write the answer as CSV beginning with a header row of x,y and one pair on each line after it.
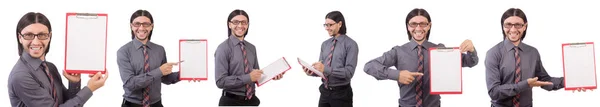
x,y
525,26
20,39
341,23
230,25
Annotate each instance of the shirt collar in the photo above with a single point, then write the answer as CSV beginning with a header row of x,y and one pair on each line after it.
x,y
426,44
138,44
342,37
508,45
234,40
35,63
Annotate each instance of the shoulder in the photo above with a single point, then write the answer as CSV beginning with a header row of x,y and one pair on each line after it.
x,y
250,45
224,46
125,47
530,48
19,76
350,41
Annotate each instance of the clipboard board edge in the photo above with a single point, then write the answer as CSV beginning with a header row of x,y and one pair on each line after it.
x,y
431,75
66,38
85,71
305,66
179,57
289,67
565,71
83,13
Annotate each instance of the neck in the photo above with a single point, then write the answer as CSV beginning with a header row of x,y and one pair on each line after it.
x,y
143,41
240,38
420,42
516,43
43,57
336,35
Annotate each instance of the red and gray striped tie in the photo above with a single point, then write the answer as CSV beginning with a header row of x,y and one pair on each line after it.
x,y
419,86
329,59
146,100
517,74
246,70
47,70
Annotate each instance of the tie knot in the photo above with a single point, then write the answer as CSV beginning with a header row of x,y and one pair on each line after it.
x,y
242,43
516,48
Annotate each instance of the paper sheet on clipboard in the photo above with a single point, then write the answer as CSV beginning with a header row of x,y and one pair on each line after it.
x,y
309,66
85,42
445,70
195,54
579,66
280,66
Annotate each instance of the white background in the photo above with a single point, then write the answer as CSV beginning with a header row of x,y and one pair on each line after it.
x,y
294,29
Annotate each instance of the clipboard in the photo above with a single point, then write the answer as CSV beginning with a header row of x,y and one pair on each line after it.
x,y
312,69
445,66
85,42
579,65
195,54
280,66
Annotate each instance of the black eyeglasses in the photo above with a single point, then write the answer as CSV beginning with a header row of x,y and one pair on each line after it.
x,y
237,22
328,24
516,25
31,36
137,24
414,24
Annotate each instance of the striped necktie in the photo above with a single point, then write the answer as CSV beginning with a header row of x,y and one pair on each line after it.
x,y
517,74
146,100
329,59
419,86
246,70
47,70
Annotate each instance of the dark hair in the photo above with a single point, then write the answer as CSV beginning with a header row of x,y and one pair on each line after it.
x,y
337,17
417,12
513,12
233,14
140,13
32,18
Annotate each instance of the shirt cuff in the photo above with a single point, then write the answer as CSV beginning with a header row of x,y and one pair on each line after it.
x,y
85,94
521,86
393,74
76,85
156,74
246,79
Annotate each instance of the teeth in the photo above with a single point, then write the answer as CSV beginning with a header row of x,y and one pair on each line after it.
x,y
38,48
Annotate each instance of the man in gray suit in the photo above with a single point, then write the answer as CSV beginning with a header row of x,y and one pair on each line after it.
x,y
34,82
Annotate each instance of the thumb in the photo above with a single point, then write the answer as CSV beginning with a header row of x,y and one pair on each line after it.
x,y
535,78
97,76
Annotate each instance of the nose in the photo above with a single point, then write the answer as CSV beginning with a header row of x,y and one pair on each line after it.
x,y
512,28
35,41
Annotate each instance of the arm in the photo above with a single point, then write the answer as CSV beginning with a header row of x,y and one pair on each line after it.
x,y
345,71
171,78
496,89
130,80
223,78
470,59
542,75
73,90
32,95
380,66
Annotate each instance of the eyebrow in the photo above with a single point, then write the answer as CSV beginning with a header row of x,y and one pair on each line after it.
x,y
35,33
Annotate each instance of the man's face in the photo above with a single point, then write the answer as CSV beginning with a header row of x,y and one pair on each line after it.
x,y
418,27
141,27
514,27
35,39
238,25
332,27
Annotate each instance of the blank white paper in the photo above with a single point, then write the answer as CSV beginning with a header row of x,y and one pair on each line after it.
x,y
85,43
309,66
579,64
445,70
274,69
195,57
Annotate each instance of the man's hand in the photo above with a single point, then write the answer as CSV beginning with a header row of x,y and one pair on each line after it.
x,y
533,82
72,77
255,75
96,81
406,77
